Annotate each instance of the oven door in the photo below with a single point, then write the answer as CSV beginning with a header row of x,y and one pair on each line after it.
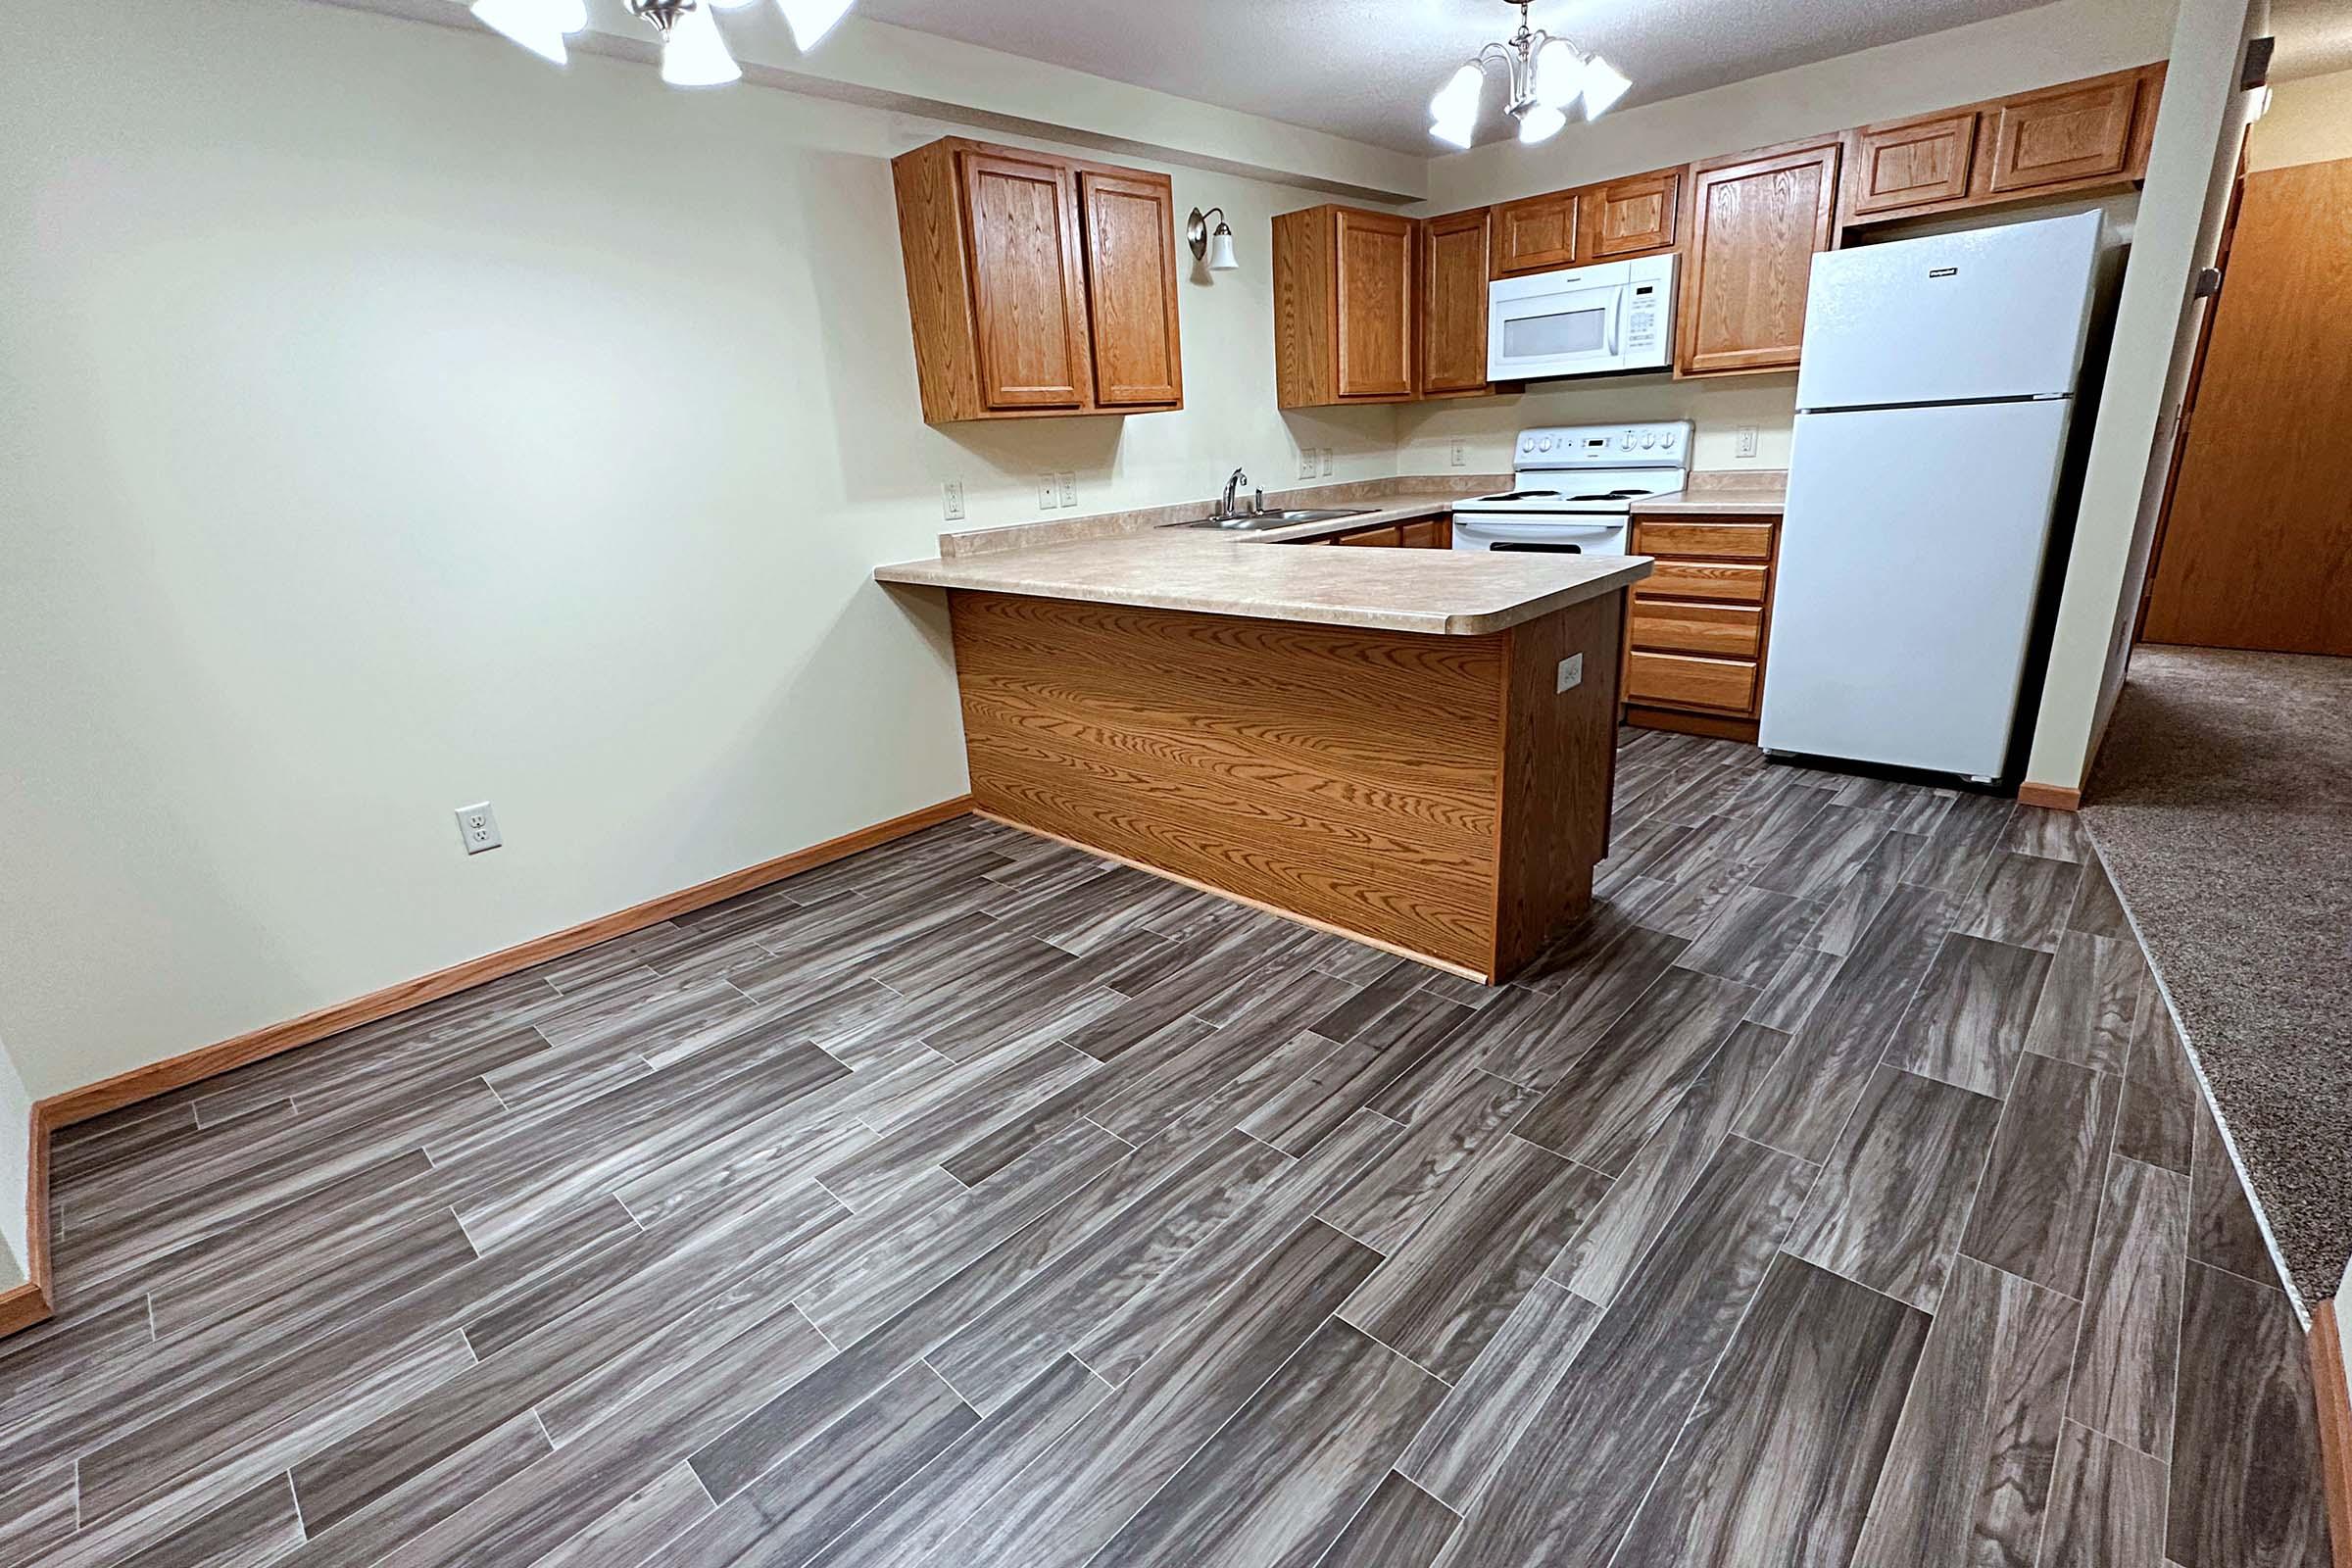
x,y
1554,324
1553,535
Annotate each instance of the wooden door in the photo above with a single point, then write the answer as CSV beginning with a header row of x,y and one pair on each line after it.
x,y
1910,163
1536,235
2258,546
1631,217
2072,132
1028,285
1375,293
1454,305
1130,288
1756,221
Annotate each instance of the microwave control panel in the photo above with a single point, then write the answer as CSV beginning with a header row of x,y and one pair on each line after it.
x,y
1641,319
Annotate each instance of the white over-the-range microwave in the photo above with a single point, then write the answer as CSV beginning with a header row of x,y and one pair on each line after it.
x,y
1585,321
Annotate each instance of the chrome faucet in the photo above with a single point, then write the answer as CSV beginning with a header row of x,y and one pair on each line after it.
x,y
1230,499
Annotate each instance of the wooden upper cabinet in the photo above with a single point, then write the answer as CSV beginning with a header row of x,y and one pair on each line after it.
x,y
1028,290
1904,165
1346,307
1131,288
1037,285
2080,137
1631,217
1757,219
1536,235
2081,132
1454,305
1376,304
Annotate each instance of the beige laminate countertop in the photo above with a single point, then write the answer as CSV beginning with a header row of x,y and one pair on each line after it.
x,y
1266,576
1746,493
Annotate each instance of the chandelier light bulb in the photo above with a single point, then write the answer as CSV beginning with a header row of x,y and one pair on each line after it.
x,y
1603,85
694,55
1455,132
1540,123
1559,74
1459,98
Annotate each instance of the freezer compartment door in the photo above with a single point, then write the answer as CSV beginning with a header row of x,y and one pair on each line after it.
x,y
1992,312
1911,556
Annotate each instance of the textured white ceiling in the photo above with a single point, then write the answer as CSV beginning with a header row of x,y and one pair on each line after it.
x,y
2314,37
1365,69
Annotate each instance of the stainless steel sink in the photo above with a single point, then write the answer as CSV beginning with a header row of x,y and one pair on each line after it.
x,y
1260,521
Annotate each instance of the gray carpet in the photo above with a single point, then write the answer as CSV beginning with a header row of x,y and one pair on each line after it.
x,y
2222,801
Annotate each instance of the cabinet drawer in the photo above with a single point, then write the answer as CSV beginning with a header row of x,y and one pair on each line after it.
x,y
1713,541
1731,631
1684,680
1733,581
1372,536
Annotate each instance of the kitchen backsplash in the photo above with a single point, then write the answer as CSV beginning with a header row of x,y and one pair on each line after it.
x,y
1485,426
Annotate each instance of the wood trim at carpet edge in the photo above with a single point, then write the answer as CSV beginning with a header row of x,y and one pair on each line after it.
x,y
2335,1429
28,1303
177,1072
2055,797
1292,915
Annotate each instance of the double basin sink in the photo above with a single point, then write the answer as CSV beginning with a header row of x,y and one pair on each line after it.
x,y
1260,521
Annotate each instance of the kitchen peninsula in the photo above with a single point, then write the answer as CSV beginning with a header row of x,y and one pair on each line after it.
x,y
1412,746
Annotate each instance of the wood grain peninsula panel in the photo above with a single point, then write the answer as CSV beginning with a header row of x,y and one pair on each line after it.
x,y
1430,794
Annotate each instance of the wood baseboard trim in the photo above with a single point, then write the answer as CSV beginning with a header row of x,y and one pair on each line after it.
x,y
1292,915
2055,797
1680,723
177,1072
25,1304
2336,1427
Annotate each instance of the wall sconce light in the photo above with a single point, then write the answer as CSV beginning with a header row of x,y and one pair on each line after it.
x,y
1216,247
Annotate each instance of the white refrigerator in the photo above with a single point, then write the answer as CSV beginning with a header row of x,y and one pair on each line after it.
x,y
1933,398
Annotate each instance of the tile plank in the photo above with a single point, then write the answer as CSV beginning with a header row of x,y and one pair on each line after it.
x,y
1966,1025
2108,1506
2038,1205
1402,1527
2125,1363
1490,1405
2245,1441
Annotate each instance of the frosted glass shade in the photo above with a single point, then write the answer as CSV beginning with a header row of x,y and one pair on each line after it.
x,y
811,20
696,55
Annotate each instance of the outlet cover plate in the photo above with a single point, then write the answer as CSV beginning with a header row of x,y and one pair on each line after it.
x,y
1572,673
477,828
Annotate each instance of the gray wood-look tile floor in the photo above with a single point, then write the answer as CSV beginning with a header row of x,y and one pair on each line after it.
x,y
1837,1194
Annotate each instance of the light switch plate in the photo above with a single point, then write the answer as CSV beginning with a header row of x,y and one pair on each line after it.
x,y
1572,673
1049,492
1069,488
1457,454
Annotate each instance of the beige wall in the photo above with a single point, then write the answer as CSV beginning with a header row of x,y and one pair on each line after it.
x,y
2029,49
392,422
2198,132
2310,121
16,1119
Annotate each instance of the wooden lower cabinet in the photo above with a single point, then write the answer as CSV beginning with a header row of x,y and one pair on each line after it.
x,y
1419,533
1697,633
1437,796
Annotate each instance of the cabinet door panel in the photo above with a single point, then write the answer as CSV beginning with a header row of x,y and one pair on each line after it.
x,y
1630,216
1756,223
1375,265
1912,163
2076,132
1131,288
1378,538
1536,235
1028,287
1454,304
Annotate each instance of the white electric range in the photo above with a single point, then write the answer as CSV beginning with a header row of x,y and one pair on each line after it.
x,y
1573,489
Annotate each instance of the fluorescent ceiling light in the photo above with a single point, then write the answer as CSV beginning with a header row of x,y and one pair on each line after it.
x,y
539,26
1540,123
1604,84
811,20
696,55
1559,74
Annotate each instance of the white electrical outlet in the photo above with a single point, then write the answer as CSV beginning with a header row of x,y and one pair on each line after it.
x,y
1457,454
1307,462
1746,434
1572,673
1069,488
477,828
1048,491
1327,462
951,501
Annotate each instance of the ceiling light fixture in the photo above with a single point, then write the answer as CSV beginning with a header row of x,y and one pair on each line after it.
x,y
1547,74
694,54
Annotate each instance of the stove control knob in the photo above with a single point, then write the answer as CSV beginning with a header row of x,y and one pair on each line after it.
x,y
1649,438
1527,444
1666,441
1544,444
1626,441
